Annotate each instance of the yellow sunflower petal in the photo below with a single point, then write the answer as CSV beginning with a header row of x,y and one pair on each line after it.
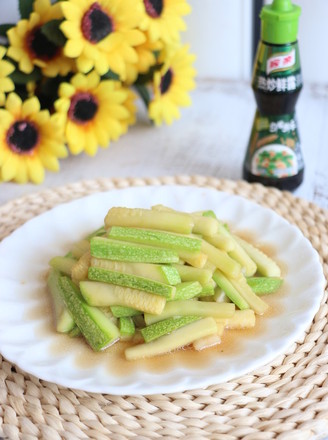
x,y
135,37
30,106
71,11
4,153
40,63
26,65
116,111
82,3
62,105
70,29
13,103
90,51
116,64
73,48
6,85
79,81
112,42
91,143
14,38
66,90
3,51
21,172
21,28
129,54
84,64
41,6
58,149
15,53
6,119
42,119
101,65
34,20
59,119
110,96
6,68
9,167
49,161
102,135
93,80
35,169
115,129
75,138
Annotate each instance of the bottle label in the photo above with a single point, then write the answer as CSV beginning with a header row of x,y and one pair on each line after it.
x,y
274,148
279,63
277,69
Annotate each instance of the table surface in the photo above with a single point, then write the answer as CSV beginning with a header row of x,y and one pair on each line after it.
x,y
210,139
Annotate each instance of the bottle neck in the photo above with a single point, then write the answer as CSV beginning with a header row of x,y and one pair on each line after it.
x,y
279,45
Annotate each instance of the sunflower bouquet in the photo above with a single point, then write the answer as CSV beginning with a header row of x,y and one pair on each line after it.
x,y
72,70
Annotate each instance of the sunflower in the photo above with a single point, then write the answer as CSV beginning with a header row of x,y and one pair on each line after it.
x,y
146,58
94,110
30,140
102,34
30,47
130,105
171,86
6,68
162,19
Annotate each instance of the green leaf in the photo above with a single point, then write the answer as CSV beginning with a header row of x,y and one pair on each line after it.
x,y
21,91
111,75
145,78
157,54
25,8
144,93
4,28
47,90
53,33
23,78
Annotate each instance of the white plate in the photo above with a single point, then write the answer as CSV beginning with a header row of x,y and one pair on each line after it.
x,y
23,265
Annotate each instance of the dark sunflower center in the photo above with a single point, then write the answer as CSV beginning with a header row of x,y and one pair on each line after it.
x,y
40,46
166,81
83,108
22,137
154,8
96,24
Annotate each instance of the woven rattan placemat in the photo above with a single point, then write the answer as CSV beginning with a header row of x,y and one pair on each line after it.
x,y
286,399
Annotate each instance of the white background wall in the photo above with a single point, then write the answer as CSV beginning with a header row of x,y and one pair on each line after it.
x,y
219,32
313,40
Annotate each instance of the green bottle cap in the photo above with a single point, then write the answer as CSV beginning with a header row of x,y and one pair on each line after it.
x,y
280,22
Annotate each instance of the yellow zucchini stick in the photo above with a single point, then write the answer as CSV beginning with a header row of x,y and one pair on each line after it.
x,y
202,225
265,265
81,267
238,253
173,341
223,242
146,218
196,308
240,320
221,260
254,301
210,341
102,294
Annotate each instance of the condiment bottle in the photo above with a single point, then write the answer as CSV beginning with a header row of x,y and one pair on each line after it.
x,y
274,155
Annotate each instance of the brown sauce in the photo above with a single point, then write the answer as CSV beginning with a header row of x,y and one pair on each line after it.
x,y
113,358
